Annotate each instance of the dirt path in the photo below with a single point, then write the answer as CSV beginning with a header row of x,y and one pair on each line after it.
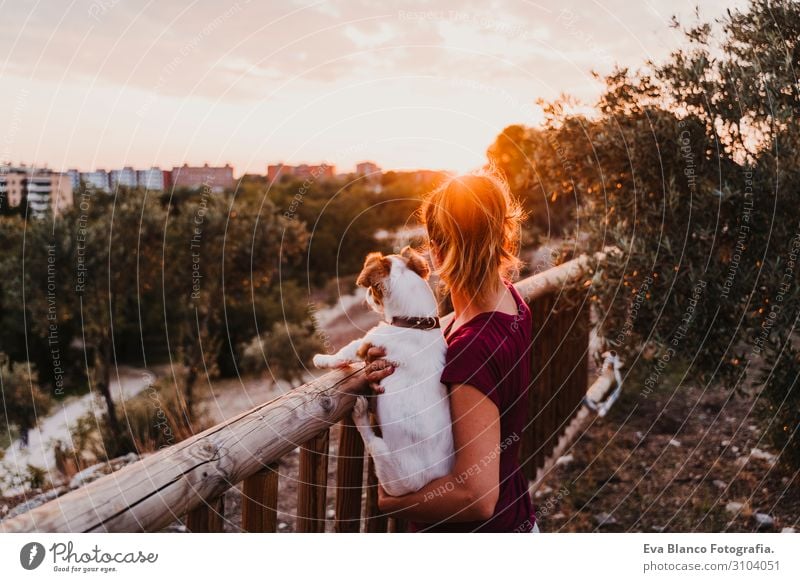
x,y
126,382
696,462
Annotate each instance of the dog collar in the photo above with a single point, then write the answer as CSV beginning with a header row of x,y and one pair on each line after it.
x,y
416,322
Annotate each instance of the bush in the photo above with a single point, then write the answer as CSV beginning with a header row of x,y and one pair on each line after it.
x,y
23,400
286,351
691,168
152,420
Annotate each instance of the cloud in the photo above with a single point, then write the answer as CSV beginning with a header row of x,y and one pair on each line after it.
x,y
262,75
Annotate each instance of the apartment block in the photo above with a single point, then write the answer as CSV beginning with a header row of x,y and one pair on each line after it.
x,y
152,179
42,191
215,178
74,178
97,180
301,172
126,178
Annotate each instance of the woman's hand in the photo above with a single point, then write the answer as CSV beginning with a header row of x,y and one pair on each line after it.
x,y
377,368
386,503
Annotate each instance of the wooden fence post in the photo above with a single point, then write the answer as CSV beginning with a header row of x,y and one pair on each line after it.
x,y
533,444
313,484
349,478
559,370
260,501
208,517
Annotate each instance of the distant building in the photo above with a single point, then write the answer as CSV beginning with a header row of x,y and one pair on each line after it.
x,y
126,178
301,172
429,176
42,191
275,171
167,177
216,178
12,186
314,172
75,178
368,169
152,179
97,180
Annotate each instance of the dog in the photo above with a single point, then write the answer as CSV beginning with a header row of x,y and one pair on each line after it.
x,y
413,412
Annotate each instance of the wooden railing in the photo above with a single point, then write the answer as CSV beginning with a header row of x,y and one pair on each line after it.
x,y
188,480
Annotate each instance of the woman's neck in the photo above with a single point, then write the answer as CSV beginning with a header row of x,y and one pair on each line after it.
x,y
466,307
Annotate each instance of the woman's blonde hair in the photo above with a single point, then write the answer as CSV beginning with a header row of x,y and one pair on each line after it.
x,y
475,222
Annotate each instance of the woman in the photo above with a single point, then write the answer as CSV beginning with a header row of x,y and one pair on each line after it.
x,y
473,226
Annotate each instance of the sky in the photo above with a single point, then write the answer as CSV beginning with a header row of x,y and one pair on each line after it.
x,y
407,84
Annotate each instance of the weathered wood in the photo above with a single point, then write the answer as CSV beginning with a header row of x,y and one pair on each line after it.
x,y
260,501
349,478
555,280
542,382
598,390
147,495
312,485
551,388
528,446
375,520
580,347
208,517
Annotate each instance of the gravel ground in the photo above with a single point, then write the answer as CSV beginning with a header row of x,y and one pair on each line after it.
x,y
688,461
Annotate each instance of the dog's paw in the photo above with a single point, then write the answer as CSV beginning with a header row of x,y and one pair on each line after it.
x,y
361,408
327,361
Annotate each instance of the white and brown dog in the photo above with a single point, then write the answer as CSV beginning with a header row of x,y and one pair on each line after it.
x,y
416,446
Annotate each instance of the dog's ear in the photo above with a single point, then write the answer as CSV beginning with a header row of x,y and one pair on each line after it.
x,y
416,262
376,268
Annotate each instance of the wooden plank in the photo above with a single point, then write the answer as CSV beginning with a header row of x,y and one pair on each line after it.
x,y
145,496
553,281
580,375
375,521
527,449
553,339
313,484
207,518
349,478
564,359
546,376
260,501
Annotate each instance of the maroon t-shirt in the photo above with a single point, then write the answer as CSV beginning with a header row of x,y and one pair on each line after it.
x,y
492,353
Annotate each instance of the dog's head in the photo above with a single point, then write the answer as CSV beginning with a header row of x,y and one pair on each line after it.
x,y
383,272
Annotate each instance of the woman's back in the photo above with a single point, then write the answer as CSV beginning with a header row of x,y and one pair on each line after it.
x,y
492,353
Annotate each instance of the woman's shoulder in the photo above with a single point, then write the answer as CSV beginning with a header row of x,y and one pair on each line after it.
x,y
469,336
480,338
522,304
469,358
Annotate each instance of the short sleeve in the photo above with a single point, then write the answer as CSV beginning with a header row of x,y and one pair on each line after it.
x,y
469,361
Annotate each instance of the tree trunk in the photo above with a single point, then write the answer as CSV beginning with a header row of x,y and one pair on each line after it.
x,y
103,382
197,346
188,386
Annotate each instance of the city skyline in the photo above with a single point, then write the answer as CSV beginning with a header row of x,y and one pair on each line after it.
x,y
250,84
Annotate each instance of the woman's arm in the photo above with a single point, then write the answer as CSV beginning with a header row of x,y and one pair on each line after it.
x,y
470,493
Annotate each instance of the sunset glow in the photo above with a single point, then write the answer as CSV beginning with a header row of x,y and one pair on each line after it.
x,y
107,84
